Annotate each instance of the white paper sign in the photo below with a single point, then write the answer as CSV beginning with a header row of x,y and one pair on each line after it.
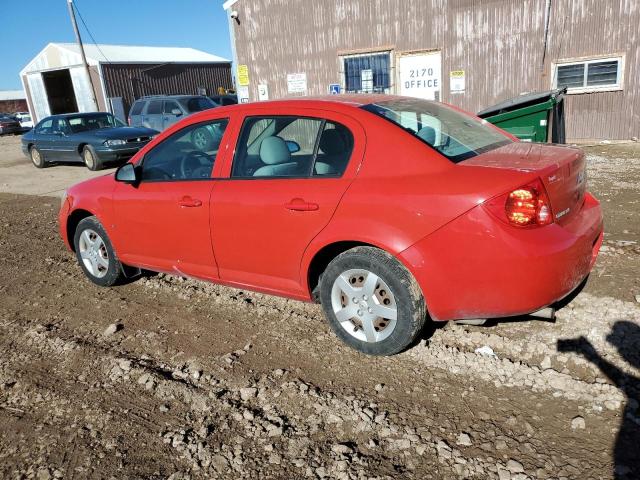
x,y
421,75
243,94
263,92
297,83
367,80
456,81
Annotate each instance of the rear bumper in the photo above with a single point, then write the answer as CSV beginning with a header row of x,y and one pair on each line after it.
x,y
478,267
9,130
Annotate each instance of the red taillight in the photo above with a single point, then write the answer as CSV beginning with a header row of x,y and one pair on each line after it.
x,y
526,206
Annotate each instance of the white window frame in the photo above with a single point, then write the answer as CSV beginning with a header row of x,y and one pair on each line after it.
x,y
586,61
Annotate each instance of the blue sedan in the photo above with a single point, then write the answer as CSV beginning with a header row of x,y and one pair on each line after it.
x,y
91,138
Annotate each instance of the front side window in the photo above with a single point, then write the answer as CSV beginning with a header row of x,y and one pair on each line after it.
x,y
170,106
45,127
197,104
294,147
189,154
455,135
590,75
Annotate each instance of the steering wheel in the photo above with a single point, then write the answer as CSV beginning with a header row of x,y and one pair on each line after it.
x,y
191,164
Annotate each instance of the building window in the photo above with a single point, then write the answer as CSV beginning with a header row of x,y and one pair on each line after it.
x,y
367,73
600,74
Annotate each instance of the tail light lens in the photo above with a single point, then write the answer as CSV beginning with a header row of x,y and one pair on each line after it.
x,y
526,206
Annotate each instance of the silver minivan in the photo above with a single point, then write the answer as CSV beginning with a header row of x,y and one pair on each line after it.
x,y
160,111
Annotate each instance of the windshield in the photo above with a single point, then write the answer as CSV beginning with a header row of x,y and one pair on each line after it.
x,y
84,123
455,135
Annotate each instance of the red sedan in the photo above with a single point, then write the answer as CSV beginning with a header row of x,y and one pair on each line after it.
x,y
387,210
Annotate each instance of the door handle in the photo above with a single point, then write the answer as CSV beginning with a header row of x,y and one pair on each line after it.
x,y
299,205
189,202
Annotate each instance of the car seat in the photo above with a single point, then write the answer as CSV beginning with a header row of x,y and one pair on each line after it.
x,y
336,148
275,154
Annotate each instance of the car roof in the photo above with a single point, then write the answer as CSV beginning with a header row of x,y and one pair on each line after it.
x,y
173,97
78,114
343,100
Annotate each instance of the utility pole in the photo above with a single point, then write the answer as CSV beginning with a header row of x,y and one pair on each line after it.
x,y
72,14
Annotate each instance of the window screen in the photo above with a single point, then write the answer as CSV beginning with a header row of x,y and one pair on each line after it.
x,y
377,81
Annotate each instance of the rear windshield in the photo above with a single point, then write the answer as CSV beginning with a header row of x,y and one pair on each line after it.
x,y
455,135
197,104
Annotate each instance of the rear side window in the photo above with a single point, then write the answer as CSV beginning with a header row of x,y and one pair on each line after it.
x,y
294,147
155,106
137,108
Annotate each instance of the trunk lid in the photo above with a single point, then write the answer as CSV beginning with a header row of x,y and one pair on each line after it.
x,y
562,171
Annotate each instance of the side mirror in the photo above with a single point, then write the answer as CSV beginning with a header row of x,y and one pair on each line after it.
x,y
293,146
176,111
127,173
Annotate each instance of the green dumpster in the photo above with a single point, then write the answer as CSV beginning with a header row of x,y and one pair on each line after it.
x,y
533,117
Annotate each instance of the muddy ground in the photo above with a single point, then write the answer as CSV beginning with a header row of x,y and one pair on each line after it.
x,y
173,378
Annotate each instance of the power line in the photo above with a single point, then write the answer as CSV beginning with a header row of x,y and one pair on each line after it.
x,y
89,31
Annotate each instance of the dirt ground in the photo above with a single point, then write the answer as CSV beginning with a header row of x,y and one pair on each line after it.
x,y
174,378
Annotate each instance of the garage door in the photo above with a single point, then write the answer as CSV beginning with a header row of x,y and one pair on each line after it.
x,y
38,96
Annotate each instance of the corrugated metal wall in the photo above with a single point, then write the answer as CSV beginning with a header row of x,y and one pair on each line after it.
x,y
498,43
131,81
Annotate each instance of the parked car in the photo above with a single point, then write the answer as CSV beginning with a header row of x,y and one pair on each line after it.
x,y
9,124
224,100
387,210
93,138
25,120
160,112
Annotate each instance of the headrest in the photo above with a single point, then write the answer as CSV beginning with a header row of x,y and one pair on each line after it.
x,y
274,150
428,134
333,142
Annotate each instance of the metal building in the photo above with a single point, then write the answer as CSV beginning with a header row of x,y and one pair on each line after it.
x,y
12,101
55,81
470,53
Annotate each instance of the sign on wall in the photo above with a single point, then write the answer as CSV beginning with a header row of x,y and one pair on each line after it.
x,y
243,75
334,88
420,75
456,81
366,77
263,92
243,94
297,83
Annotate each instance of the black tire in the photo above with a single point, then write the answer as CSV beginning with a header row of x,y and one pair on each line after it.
x,y
37,158
113,273
408,299
91,159
202,139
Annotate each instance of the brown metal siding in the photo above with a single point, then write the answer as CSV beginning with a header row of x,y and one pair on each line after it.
x,y
499,44
13,106
131,81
